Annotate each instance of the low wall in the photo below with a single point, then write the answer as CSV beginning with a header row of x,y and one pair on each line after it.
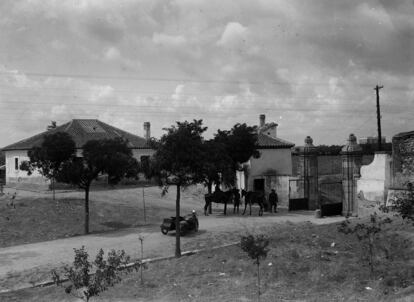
x,y
36,180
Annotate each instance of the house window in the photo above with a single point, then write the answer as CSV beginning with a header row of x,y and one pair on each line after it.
x,y
16,163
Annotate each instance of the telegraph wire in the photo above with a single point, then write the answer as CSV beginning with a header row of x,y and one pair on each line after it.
x,y
172,80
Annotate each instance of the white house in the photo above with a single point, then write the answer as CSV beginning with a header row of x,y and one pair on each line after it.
x,y
274,166
81,131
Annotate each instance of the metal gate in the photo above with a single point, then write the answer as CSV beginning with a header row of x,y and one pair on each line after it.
x,y
298,197
331,198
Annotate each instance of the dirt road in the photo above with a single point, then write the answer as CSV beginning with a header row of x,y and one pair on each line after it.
x,y
24,265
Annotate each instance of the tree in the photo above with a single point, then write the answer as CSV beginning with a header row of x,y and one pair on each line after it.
x,y
257,248
49,158
106,156
83,284
217,164
178,161
240,141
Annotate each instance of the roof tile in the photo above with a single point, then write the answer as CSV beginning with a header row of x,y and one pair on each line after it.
x,y
266,142
82,131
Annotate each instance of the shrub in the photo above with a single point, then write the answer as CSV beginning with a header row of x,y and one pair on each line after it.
x,y
368,234
257,248
403,204
83,284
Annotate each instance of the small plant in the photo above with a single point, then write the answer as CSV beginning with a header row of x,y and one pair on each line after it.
x,y
368,234
403,204
257,248
87,279
141,239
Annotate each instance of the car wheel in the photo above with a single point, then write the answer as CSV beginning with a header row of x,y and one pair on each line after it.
x,y
164,231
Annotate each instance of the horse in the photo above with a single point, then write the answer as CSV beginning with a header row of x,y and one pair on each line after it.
x,y
236,198
251,197
218,197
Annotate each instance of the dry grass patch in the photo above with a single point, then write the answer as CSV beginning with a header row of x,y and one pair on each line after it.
x,y
303,265
39,218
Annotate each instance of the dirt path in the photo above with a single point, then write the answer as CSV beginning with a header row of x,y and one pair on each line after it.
x,y
24,265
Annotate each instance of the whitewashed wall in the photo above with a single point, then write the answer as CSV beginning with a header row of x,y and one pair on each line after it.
x,y
14,175
375,178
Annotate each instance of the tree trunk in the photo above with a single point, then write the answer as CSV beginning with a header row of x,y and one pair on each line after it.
x,y
210,189
258,278
87,210
53,188
371,254
177,224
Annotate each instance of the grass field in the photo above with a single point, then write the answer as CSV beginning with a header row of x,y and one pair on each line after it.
x,y
36,217
303,265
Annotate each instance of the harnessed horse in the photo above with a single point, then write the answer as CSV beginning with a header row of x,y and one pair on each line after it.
x,y
218,197
251,197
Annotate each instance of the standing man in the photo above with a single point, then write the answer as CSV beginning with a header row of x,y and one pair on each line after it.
x,y
273,200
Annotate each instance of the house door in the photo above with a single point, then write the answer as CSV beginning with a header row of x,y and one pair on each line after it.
x,y
259,185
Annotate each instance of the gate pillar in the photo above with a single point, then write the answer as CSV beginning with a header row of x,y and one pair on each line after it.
x,y
351,165
308,171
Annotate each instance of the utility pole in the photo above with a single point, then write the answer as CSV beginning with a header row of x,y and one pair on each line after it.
x,y
143,201
377,89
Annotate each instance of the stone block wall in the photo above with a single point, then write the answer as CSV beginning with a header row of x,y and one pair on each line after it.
x,y
403,159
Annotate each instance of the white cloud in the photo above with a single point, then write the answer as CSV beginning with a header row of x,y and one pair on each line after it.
x,y
302,60
58,44
168,40
233,34
112,53
178,92
99,93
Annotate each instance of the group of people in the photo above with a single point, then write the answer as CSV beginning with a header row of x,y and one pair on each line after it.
x,y
272,199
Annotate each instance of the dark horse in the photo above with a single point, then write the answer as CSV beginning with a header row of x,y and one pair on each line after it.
x,y
218,197
251,197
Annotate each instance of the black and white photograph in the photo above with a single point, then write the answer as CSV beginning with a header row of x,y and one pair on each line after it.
x,y
207,150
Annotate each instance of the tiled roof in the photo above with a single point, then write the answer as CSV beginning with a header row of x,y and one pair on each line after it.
x,y
266,142
82,131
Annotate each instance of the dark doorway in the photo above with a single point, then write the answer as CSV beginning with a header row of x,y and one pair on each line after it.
x,y
259,185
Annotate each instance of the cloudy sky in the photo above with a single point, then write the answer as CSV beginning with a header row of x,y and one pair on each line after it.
x,y
310,66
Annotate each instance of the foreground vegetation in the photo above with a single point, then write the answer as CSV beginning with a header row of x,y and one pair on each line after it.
x,y
305,262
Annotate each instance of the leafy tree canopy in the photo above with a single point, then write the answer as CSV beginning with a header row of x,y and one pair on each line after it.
x,y
49,158
107,156
241,142
218,164
179,155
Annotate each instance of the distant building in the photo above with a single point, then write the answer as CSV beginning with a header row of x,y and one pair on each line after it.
x,y
274,166
81,131
371,140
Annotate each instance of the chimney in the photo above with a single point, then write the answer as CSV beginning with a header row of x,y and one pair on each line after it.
x,y
262,120
147,130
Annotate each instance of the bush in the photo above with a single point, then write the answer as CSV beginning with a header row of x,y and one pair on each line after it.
x,y
83,284
257,248
369,236
403,204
